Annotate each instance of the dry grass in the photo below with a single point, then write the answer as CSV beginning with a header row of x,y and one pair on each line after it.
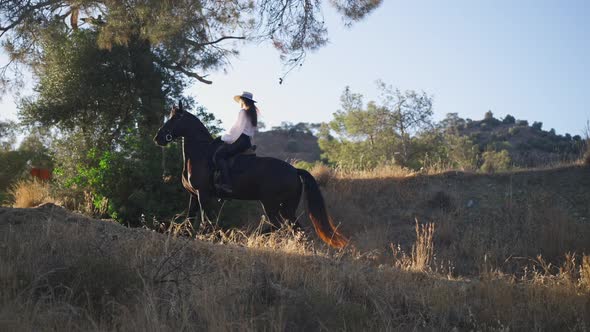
x,y
509,261
30,193
390,171
65,272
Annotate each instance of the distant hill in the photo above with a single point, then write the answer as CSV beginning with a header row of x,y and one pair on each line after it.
x,y
528,145
288,145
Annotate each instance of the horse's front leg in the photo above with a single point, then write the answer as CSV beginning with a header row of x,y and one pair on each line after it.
x,y
193,209
207,208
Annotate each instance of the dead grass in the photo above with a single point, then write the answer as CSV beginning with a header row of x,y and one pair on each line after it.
x,y
64,272
515,258
30,193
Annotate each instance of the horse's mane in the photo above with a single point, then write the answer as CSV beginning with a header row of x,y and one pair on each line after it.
x,y
199,126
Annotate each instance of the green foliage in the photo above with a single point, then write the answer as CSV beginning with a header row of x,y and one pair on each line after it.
x,y
462,153
104,148
489,121
494,161
514,131
363,137
7,135
509,119
301,127
522,123
537,125
302,164
103,86
180,37
452,123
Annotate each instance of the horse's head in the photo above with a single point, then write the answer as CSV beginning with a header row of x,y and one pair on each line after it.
x,y
173,128
181,123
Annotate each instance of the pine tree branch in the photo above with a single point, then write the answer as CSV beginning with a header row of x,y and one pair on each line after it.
x,y
186,72
198,45
26,11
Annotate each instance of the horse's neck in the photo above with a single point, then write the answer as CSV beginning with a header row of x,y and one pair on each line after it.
x,y
194,149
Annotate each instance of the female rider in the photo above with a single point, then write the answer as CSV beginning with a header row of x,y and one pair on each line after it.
x,y
238,138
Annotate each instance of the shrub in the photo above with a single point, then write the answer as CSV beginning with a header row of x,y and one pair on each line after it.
x,y
302,164
30,193
514,131
322,174
509,119
495,161
522,123
537,125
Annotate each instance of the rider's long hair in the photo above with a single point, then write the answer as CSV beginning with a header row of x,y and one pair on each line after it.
x,y
251,111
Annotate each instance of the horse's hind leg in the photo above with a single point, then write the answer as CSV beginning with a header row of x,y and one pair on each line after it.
x,y
288,211
272,211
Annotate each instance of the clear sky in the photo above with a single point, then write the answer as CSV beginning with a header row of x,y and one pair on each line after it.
x,y
530,59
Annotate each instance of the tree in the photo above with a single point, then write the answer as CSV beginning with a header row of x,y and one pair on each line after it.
x,y
410,111
180,37
107,70
453,123
537,125
7,135
509,119
364,139
368,135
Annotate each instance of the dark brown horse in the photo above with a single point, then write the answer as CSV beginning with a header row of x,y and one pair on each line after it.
x,y
275,183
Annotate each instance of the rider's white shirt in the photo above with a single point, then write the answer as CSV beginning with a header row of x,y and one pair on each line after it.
x,y
243,125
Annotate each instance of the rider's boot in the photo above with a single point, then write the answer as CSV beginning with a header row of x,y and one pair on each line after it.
x,y
225,184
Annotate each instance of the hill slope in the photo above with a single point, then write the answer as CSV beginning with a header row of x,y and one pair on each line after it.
x,y
60,270
523,213
529,146
287,145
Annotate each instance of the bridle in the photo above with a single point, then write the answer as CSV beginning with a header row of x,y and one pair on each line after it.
x,y
168,132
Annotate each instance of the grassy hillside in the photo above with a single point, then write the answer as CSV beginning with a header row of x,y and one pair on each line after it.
x,y
477,267
480,218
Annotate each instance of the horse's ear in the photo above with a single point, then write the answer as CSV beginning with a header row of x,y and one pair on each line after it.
x,y
180,106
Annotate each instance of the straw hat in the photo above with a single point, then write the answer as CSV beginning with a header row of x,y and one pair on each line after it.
x,y
245,94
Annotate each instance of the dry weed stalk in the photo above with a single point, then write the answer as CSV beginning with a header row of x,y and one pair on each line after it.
x,y
423,249
422,254
585,272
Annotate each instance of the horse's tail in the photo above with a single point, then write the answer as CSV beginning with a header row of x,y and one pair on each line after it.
x,y
316,208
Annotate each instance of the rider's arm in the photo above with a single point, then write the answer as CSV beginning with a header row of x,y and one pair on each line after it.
x,y
237,129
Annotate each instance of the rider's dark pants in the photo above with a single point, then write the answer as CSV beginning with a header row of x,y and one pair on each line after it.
x,y
228,150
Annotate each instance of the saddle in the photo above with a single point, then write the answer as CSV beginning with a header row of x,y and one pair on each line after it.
x,y
231,161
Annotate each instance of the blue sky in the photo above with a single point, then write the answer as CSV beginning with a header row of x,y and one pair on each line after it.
x,y
530,59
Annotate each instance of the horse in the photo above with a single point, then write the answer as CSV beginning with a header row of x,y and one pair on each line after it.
x,y
275,183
